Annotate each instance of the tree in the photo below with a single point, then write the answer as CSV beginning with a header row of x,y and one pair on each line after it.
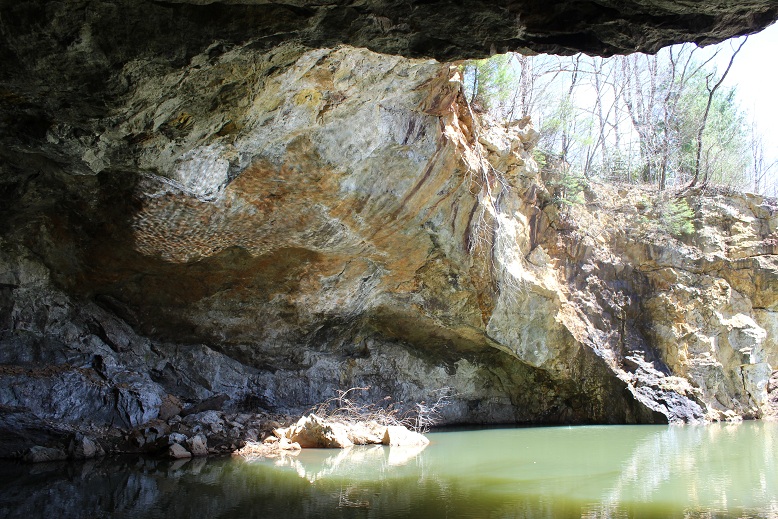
x,y
488,82
664,119
640,74
711,92
761,168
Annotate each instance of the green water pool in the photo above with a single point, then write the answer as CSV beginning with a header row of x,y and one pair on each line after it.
x,y
592,471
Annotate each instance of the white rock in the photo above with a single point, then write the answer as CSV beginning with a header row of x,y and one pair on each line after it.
x,y
313,432
198,445
399,436
177,451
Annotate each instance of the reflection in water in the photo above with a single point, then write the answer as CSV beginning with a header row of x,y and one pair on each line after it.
x,y
593,472
368,463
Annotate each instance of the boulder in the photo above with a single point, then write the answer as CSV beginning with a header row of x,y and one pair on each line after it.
x,y
198,445
177,451
153,433
366,433
176,438
39,454
170,407
82,447
314,432
399,436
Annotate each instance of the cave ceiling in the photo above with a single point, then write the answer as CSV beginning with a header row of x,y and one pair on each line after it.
x,y
59,60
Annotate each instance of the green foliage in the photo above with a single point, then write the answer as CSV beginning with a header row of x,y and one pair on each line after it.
x,y
489,83
725,147
677,217
558,123
540,157
568,190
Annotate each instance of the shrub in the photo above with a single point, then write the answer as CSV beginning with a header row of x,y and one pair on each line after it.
x,y
344,408
677,217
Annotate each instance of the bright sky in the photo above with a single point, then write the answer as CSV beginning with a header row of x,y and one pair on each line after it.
x,y
756,76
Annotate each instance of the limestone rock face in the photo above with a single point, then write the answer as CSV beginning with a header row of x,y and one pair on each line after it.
x,y
258,227
696,313
358,237
444,30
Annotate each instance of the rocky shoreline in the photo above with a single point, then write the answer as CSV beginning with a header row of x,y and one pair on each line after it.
x,y
218,433
206,433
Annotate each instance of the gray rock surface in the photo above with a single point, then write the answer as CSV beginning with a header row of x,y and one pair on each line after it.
x,y
82,447
203,223
198,445
177,451
40,454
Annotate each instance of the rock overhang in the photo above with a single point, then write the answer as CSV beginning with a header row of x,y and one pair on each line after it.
x,y
113,111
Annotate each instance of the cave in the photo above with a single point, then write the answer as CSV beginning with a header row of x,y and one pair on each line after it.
x,y
247,206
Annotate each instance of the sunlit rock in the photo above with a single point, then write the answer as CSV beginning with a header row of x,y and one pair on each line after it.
x,y
313,432
263,223
399,436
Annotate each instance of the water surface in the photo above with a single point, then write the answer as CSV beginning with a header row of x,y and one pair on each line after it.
x,y
597,471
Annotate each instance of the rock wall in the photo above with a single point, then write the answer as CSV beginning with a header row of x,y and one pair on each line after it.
x,y
698,310
272,226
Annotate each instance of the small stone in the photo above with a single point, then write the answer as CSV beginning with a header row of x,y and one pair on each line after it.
x,y
198,445
177,451
81,448
176,438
